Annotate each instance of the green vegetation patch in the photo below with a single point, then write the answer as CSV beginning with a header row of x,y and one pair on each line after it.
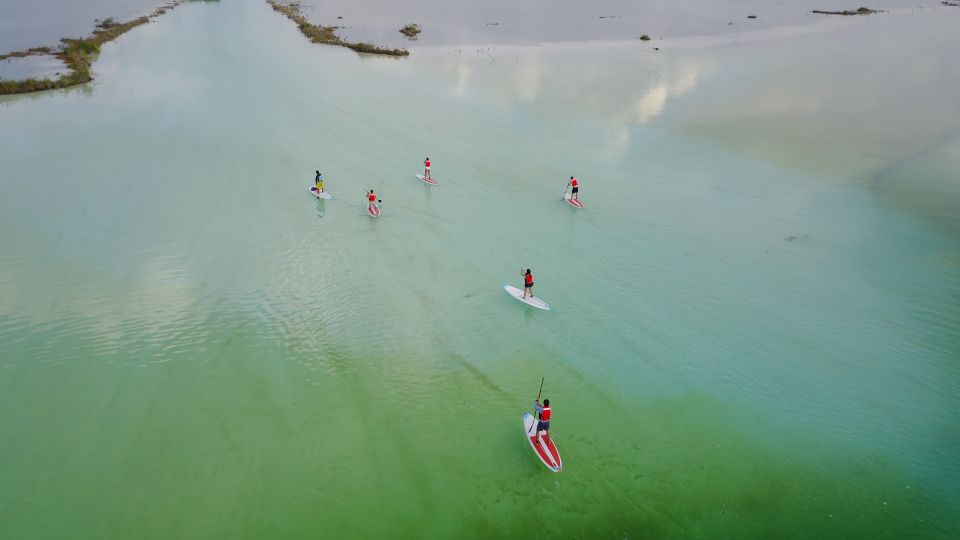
x,y
88,47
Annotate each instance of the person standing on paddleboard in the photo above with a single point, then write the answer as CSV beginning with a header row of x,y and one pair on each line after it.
x,y
319,182
426,168
527,282
544,414
574,188
371,199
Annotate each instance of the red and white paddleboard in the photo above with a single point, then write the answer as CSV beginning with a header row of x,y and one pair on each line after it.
x,y
373,210
543,446
426,180
572,201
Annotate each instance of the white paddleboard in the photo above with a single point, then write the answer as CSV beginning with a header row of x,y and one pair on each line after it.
x,y
543,445
320,195
530,300
573,202
426,180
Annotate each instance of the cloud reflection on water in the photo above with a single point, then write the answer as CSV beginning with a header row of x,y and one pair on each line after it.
x,y
622,89
622,95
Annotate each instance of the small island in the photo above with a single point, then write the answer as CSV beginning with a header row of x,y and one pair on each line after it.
x,y
328,34
860,11
411,30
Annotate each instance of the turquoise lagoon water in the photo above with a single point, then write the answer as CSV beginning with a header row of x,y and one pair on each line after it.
x,y
755,319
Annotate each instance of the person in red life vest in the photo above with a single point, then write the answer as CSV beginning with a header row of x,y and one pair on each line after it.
x,y
544,413
527,282
371,200
426,168
574,188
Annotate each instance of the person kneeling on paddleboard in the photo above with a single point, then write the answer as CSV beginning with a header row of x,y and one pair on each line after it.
x,y
527,282
574,188
426,168
319,181
544,413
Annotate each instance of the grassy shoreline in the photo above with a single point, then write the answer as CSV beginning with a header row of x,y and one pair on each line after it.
x,y
848,12
328,34
76,54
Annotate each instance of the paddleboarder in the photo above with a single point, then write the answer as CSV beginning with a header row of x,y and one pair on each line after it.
x,y
574,188
527,282
319,181
426,168
543,413
371,200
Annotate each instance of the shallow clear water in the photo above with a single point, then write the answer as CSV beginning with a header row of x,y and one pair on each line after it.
x,y
750,337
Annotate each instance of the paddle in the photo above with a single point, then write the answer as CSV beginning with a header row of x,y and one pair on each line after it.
x,y
538,399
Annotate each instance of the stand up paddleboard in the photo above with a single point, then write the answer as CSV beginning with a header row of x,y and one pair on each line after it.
x,y
573,202
373,210
426,180
530,300
319,194
543,446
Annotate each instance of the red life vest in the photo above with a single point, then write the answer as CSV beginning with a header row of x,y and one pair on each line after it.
x,y
371,197
427,163
545,414
573,182
528,279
